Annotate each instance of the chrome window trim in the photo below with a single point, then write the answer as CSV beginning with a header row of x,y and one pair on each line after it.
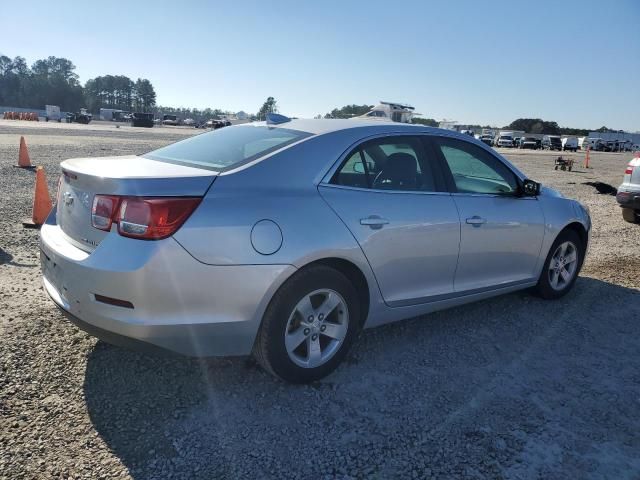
x,y
492,195
374,190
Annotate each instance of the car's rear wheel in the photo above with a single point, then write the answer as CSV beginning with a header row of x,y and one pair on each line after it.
x,y
630,215
561,266
309,325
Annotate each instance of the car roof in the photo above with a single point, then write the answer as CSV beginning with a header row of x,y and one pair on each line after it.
x,y
319,126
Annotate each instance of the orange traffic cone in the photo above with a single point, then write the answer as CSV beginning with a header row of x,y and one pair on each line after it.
x,y
41,202
586,158
23,156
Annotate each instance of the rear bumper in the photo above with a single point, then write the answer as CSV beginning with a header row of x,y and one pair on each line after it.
x,y
629,199
179,304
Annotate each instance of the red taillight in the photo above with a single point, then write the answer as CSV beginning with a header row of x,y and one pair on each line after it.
x,y
141,217
629,170
104,211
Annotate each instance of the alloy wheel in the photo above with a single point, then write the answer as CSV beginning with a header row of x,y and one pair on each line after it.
x,y
316,328
563,266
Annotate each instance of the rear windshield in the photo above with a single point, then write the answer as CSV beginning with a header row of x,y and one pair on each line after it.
x,y
227,147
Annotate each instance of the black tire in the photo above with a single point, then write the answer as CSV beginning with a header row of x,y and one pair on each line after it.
x,y
270,350
630,215
544,288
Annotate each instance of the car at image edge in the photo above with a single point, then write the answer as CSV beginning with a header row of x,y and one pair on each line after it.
x,y
285,239
628,195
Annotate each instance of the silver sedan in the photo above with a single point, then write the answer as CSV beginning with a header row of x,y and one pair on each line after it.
x,y
285,239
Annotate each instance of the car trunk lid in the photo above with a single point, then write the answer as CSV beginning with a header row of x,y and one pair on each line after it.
x,y
83,178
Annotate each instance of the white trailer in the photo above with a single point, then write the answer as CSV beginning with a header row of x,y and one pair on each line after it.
x,y
396,112
53,113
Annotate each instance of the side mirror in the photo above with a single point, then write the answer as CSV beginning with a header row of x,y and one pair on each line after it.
x,y
530,188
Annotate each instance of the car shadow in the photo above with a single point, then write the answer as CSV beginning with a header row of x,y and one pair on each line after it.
x,y
481,386
7,258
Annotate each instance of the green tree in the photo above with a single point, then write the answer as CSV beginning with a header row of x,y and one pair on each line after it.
x,y
48,81
349,111
269,106
145,95
534,125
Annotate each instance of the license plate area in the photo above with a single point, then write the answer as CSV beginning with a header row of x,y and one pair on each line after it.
x,y
52,271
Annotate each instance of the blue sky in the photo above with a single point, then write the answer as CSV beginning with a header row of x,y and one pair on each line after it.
x,y
575,62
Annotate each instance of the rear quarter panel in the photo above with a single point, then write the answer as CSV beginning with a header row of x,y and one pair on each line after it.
x,y
283,189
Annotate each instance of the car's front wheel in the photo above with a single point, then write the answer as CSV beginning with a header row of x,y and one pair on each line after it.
x,y
561,266
309,325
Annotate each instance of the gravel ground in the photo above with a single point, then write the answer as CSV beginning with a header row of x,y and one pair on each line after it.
x,y
512,387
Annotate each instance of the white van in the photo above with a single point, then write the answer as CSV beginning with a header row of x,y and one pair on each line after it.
x,y
570,143
594,144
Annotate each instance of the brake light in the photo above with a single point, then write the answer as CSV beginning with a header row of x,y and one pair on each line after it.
x,y
104,211
629,170
142,217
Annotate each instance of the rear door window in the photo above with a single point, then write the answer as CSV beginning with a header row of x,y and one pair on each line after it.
x,y
399,163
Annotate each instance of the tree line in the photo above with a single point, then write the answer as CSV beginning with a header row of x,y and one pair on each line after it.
x,y
119,92
53,81
537,125
49,81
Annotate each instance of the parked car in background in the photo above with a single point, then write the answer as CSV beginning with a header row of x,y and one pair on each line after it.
x,y
570,144
505,141
139,119
195,247
628,195
169,119
215,124
594,144
551,142
529,142
487,139
83,116
626,146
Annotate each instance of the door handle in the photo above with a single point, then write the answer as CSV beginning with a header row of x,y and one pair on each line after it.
x,y
374,221
476,221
